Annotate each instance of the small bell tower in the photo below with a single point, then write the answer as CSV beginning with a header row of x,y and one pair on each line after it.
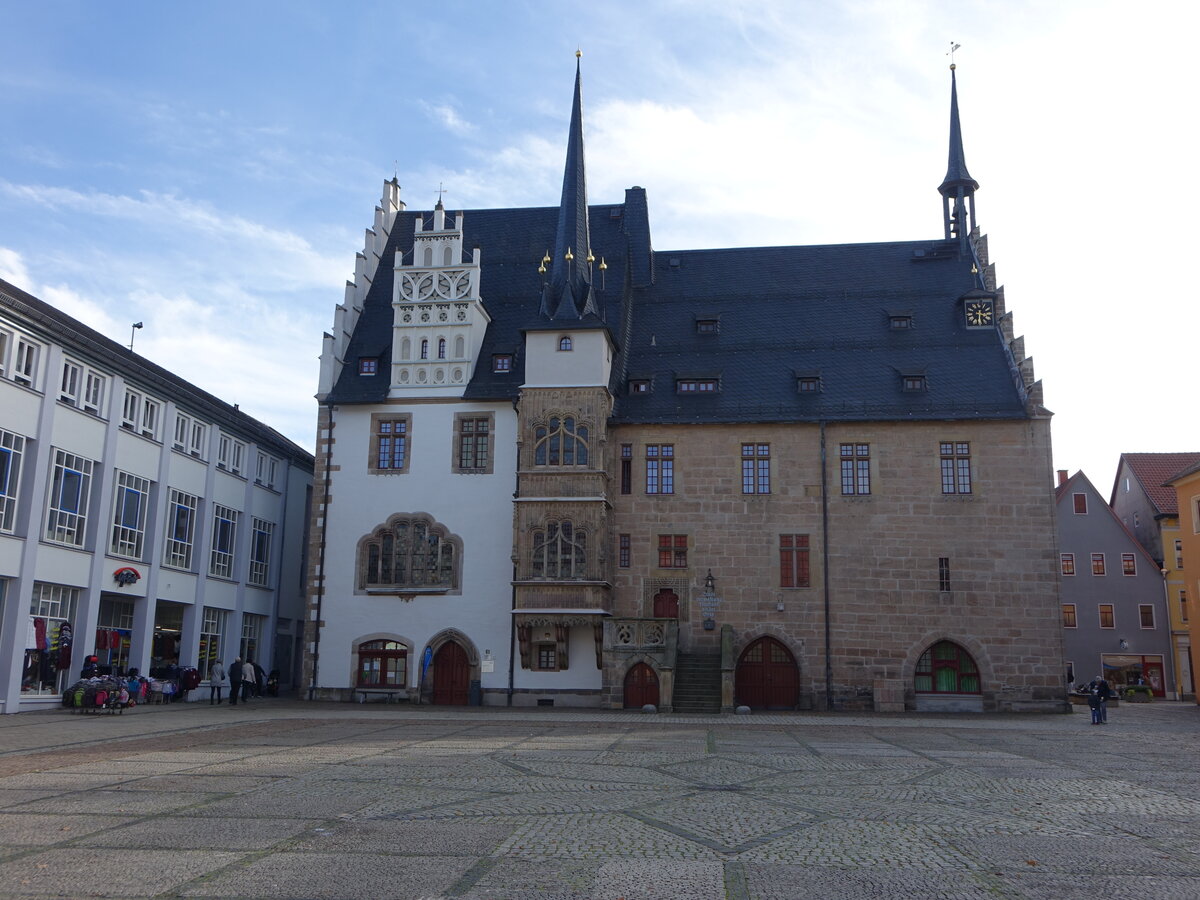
x,y
958,187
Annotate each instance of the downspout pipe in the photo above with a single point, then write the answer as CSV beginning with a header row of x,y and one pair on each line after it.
x,y
825,571
324,515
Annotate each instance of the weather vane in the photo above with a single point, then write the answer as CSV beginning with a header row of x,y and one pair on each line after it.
x,y
953,47
441,190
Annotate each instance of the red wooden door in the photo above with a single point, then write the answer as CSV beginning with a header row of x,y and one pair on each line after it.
x,y
451,675
641,687
1152,672
767,677
666,604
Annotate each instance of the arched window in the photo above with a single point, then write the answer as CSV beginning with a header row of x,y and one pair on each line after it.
x,y
946,668
429,256
409,553
459,348
441,348
559,551
424,349
448,256
560,442
564,342
382,664
406,349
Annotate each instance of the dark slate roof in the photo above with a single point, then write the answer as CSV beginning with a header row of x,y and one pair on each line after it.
x,y
783,312
513,242
55,325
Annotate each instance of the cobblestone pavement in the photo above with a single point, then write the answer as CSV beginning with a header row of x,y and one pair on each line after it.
x,y
284,799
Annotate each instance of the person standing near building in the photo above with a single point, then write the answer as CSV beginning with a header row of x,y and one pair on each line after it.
x,y
235,680
249,680
1103,691
216,680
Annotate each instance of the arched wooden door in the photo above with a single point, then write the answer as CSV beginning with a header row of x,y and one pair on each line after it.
x,y
767,676
666,604
451,675
641,687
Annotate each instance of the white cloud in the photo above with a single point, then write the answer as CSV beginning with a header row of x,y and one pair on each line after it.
x,y
448,117
12,268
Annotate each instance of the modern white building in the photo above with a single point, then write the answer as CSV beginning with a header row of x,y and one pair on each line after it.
x,y
141,518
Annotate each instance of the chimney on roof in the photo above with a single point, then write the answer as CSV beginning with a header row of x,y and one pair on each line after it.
x,y
1062,477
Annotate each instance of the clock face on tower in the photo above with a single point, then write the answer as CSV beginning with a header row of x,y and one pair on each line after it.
x,y
979,313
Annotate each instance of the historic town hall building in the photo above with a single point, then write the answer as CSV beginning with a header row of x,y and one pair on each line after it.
x,y
556,466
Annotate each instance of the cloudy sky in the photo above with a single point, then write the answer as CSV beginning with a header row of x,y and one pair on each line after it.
x,y
209,168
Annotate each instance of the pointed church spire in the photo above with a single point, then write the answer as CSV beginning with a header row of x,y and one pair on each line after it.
x,y
568,295
958,187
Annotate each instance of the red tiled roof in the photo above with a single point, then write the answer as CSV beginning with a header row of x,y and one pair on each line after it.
x,y
1152,469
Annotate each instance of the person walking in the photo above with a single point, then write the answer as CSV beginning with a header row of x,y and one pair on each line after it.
x,y
249,680
1093,702
1103,691
216,681
235,680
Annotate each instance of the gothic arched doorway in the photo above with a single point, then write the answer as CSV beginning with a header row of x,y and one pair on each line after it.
x,y
451,675
767,676
641,687
666,604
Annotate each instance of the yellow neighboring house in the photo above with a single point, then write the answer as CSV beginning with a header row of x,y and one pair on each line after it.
x,y
1187,494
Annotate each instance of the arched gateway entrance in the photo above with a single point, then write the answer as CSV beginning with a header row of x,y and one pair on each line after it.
x,y
767,676
451,675
641,687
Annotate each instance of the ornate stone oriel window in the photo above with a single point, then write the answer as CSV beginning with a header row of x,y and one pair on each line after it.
x,y
410,553
562,441
559,551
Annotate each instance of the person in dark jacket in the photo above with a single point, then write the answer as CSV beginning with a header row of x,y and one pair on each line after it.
x,y
1103,691
1093,702
235,680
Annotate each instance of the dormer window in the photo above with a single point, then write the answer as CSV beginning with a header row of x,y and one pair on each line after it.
x,y
915,383
641,386
368,365
708,326
564,343
696,385
900,322
502,362
808,384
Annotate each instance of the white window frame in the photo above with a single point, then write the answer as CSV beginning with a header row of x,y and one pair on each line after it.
x,y
1142,607
224,541
93,391
251,636
6,343
265,471
70,382
131,409
260,552
197,444
12,451
25,361
177,548
67,524
57,604
129,536
213,622
183,427
151,415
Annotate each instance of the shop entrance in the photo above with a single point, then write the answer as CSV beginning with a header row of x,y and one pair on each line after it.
x,y
451,675
114,632
168,631
767,676
1125,669
641,687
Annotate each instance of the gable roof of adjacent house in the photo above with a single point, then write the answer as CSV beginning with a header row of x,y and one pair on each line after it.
x,y
1153,471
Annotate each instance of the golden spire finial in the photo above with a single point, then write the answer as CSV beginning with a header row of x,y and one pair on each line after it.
x,y
590,258
568,256
546,258
578,53
603,264
953,47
